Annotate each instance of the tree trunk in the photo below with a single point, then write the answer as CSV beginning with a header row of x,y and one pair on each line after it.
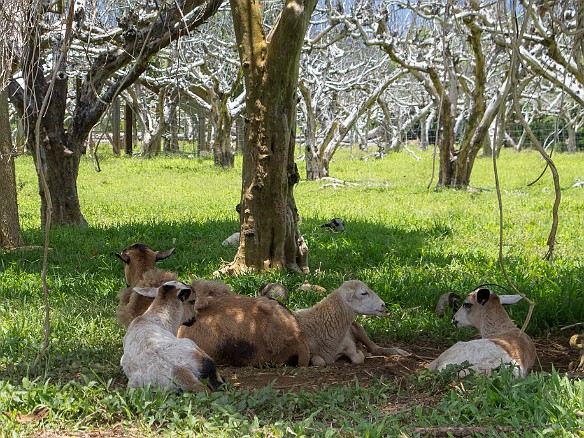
x,y
456,170
316,165
488,144
571,142
424,128
269,218
240,133
170,114
222,149
445,141
10,234
152,137
116,119
201,134
60,149
128,129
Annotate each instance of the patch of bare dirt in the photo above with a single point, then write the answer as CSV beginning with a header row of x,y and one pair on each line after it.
x,y
552,352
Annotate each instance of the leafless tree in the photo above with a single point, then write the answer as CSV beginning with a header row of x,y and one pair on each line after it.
x,y
114,55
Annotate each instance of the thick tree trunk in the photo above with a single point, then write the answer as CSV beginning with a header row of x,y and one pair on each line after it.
x,y
10,234
59,150
269,218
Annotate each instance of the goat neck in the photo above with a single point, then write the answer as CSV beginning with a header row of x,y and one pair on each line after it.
x,y
495,321
347,313
166,315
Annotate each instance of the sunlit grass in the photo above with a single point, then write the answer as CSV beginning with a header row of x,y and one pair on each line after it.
x,y
410,243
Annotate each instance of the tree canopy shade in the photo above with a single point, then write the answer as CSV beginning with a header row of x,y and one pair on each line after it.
x,y
270,238
110,69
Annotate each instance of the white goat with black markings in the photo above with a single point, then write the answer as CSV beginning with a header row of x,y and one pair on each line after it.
x,y
328,325
153,355
502,341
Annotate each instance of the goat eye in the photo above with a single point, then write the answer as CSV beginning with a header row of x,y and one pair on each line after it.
x,y
365,293
467,305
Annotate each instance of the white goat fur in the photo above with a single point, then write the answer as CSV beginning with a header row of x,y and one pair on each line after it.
x,y
232,240
502,341
139,270
153,355
328,325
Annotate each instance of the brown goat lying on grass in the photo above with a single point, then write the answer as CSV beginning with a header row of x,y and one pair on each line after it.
x,y
239,330
140,271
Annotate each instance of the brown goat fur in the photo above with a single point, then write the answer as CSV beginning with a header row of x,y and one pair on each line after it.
x,y
239,330
140,271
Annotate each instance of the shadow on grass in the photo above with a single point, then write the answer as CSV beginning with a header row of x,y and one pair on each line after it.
x,y
404,267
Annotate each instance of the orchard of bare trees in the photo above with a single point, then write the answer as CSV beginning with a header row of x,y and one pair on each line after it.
x,y
270,78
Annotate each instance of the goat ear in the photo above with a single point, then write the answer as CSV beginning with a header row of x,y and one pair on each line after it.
x,y
149,292
510,299
123,257
161,255
483,296
184,294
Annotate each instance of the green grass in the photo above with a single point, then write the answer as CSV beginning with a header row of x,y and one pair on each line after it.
x,y
410,244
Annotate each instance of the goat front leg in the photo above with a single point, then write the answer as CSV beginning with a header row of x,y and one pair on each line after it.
x,y
361,336
350,349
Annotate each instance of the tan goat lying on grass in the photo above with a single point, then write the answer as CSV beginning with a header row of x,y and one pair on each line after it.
x,y
139,270
328,326
280,293
153,355
502,341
